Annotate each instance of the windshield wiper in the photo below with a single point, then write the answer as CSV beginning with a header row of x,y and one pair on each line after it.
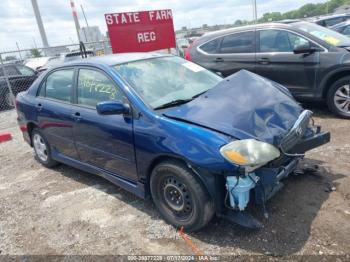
x,y
173,103
178,101
195,96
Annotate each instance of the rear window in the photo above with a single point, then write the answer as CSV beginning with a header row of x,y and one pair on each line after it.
x,y
211,46
58,85
238,43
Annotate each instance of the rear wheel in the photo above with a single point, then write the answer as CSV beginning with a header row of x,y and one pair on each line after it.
x,y
42,149
179,197
338,97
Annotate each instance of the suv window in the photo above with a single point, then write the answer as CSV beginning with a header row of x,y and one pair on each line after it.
x,y
333,21
25,71
10,70
59,85
238,43
95,87
211,46
346,30
279,41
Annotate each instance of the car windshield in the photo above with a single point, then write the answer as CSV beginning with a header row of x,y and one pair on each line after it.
x,y
327,35
160,81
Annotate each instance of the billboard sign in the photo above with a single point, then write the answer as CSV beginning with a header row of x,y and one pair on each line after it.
x,y
141,31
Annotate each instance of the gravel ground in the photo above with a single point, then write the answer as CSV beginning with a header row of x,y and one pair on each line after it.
x,y
66,211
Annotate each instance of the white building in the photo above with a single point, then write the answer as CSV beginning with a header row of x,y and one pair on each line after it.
x,y
90,34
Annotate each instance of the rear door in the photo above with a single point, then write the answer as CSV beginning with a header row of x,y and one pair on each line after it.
x,y
230,53
276,60
54,111
104,141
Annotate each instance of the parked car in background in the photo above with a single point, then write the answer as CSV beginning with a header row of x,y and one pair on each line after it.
x,y
312,61
182,44
65,57
38,63
330,20
162,127
342,28
20,78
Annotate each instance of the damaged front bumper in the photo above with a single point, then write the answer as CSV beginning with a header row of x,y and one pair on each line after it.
x,y
266,181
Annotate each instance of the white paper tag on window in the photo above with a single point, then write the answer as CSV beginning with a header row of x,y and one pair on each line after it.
x,y
193,67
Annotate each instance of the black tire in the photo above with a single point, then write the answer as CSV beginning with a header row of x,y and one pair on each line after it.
x,y
49,162
338,86
197,208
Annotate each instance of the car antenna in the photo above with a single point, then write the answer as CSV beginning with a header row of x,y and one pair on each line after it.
x,y
82,49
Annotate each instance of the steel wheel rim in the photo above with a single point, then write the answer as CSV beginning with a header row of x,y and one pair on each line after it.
x,y
40,147
342,99
8,100
177,198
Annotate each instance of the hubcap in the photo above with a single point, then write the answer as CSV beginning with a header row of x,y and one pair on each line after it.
x,y
40,147
177,197
342,99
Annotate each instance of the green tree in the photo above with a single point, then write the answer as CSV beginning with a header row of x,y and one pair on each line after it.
x,y
35,52
307,10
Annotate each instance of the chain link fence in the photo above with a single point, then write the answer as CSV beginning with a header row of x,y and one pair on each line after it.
x,y
19,68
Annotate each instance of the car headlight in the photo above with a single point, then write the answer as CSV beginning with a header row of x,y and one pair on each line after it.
x,y
249,153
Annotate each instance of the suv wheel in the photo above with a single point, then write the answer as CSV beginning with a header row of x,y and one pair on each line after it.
x,y
338,97
179,197
42,149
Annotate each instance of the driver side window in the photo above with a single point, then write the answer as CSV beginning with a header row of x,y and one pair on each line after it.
x,y
279,41
95,87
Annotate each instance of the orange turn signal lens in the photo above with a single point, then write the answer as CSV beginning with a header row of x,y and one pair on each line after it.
x,y
236,157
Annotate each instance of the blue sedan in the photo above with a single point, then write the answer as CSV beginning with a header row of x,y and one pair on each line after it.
x,y
162,127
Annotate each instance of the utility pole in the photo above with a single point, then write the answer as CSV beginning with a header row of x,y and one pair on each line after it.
x,y
40,23
75,17
255,15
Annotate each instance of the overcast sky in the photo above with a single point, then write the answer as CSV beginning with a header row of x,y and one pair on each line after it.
x,y
18,22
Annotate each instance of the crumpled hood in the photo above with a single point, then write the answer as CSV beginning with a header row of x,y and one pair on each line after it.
x,y
243,105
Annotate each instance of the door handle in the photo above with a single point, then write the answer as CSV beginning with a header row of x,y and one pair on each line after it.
x,y
264,61
219,59
76,116
39,107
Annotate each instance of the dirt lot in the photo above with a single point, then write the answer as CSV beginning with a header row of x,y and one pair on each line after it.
x,y
66,211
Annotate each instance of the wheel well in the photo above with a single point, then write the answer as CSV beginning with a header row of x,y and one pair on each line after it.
x,y
159,160
197,176
30,127
332,79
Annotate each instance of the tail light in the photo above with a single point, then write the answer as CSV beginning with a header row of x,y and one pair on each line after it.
x,y
187,52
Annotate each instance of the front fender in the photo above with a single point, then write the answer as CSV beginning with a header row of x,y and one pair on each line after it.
x,y
160,136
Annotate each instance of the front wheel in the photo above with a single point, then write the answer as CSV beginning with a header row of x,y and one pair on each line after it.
x,y
338,97
42,149
179,197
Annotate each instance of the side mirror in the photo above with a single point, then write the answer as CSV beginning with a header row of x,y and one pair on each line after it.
x,y
112,108
305,49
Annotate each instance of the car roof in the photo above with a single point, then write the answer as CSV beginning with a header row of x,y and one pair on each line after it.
x,y
325,17
246,27
115,59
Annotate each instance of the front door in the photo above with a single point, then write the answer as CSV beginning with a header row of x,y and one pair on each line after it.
x,y
276,60
104,141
